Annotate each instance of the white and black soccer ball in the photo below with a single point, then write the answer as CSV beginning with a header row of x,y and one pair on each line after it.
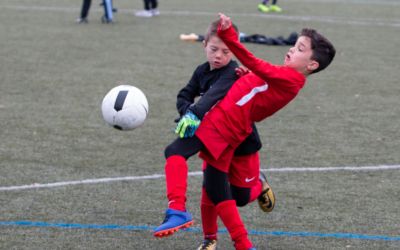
x,y
125,107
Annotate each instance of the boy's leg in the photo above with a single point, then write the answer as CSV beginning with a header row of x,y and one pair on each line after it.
x,y
241,195
261,191
209,223
218,190
229,214
249,184
209,217
176,171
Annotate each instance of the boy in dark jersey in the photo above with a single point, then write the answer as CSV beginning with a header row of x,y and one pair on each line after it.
x,y
252,98
211,81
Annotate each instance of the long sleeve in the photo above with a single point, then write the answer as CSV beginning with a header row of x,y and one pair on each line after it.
x,y
287,77
187,94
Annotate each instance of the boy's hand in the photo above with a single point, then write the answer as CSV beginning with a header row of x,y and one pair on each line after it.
x,y
225,21
188,125
241,71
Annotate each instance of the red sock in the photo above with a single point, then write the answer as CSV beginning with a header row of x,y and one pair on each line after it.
x,y
255,191
230,216
176,172
208,217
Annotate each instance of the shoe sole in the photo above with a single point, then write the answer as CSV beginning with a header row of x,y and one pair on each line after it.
x,y
171,231
211,246
267,202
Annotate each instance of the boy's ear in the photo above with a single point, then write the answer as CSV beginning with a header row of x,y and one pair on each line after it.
x,y
204,43
313,65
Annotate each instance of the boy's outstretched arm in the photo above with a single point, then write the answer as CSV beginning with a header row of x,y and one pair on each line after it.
x,y
258,66
230,38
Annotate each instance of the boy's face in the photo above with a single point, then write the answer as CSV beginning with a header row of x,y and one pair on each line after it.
x,y
299,56
218,54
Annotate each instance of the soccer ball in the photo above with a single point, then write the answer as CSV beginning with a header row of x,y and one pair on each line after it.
x,y
125,107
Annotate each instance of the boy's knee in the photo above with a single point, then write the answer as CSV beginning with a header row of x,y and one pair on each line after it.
x,y
240,195
216,185
168,151
240,202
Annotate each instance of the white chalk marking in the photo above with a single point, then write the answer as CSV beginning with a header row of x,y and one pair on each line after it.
x,y
196,173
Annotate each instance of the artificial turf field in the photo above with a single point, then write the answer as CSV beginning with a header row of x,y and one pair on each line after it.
x,y
68,181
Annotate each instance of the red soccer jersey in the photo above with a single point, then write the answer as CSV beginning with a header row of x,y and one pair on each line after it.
x,y
252,98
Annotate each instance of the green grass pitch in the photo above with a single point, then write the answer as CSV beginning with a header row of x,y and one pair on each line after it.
x,y
54,74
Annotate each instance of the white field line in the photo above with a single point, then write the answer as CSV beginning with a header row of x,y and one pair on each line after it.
x,y
196,173
322,19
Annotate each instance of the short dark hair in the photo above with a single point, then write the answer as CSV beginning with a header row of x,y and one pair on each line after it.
x,y
323,50
213,30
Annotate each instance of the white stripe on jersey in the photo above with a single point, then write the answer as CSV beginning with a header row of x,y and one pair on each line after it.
x,y
252,93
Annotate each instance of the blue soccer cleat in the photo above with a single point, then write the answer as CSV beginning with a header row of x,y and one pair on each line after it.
x,y
174,220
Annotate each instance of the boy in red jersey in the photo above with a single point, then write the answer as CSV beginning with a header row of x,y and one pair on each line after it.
x,y
252,98
211,81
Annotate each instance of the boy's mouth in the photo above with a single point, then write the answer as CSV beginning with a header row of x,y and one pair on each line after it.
x,y
216,63
287,58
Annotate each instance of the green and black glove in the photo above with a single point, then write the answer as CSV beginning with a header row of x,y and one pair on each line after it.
x,y
187,125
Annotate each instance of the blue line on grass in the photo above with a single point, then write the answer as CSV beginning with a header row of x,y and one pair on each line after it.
x,y
198,230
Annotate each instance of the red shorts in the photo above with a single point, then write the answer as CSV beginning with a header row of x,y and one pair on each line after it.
x,y
244,170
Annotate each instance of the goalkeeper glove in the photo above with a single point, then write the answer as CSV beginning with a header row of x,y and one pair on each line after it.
x,y
187,125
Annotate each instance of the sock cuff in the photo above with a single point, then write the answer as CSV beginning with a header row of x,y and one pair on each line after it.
x,y
227,203
176,158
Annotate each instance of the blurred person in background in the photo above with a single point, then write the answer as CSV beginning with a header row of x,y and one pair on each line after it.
x,y
264,7
108,11
150,9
